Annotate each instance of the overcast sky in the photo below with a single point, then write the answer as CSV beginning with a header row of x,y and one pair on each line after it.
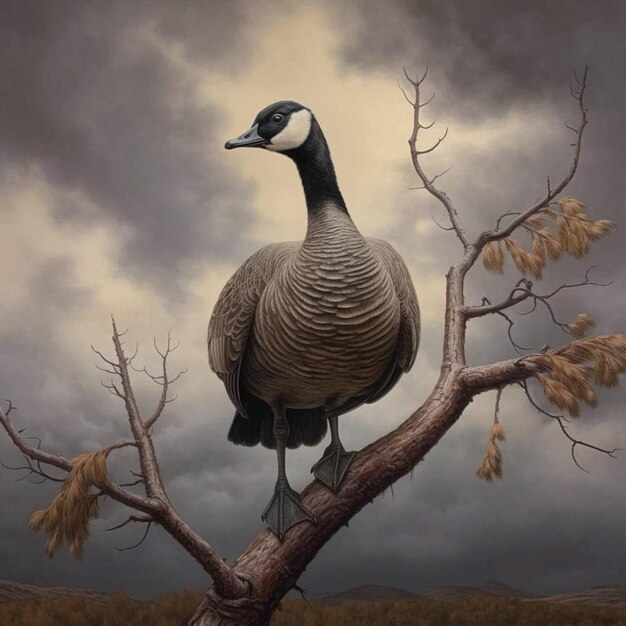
x,y
116,196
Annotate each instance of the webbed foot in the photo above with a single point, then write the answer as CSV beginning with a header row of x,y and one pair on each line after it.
x,y
332,467
285,510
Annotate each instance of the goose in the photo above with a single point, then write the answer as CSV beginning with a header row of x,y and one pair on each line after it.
x,y
306,331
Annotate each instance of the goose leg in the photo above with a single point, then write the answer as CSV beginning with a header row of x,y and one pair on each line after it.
x,y
284,509
332,467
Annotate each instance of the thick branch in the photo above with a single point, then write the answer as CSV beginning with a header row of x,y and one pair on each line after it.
x,y
482,378
374,470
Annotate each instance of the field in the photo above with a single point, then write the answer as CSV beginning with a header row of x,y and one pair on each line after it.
x,y
176,609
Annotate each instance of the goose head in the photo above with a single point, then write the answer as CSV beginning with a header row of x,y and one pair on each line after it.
x,y
280,127
291,129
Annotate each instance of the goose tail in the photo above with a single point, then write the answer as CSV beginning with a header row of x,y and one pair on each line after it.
x,y
306,428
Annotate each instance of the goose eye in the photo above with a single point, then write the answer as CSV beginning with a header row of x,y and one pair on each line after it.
x,y
277,119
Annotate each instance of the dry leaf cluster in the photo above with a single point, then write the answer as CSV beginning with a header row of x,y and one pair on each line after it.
x,y
66,520
568,374
491,465
570,230
580,325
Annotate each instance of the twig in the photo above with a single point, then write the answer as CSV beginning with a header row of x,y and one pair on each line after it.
x,y
428,183
575,442
136,545
131,519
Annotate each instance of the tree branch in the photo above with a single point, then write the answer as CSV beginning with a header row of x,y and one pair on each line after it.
x,y
552,193
163,380
112,490
514,298
575,442
147,455
157,505
428,183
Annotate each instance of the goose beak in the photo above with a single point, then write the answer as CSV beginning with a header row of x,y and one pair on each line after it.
x,y
249,139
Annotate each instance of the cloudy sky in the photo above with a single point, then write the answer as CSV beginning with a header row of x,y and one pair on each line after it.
x,y
116,196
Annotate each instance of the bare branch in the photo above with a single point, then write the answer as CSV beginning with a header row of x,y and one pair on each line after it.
x,y
440,226
552,193
433,147
32,469
415,154
112,490
514,298
143,538
575,442
224,578
229,583
521,292
163,380
582,283
133,483
440,174
147,456
131,519
516,346
405,94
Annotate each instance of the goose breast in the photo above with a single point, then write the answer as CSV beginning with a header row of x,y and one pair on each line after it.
x,y
326,327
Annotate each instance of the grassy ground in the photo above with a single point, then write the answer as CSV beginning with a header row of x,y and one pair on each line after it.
x,y
176,609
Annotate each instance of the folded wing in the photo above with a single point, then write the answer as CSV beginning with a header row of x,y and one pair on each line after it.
x,y
232,317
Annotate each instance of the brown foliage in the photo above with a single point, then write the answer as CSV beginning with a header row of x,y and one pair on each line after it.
x,y
493,258
492,461
568,373
580,325
571,231
67,518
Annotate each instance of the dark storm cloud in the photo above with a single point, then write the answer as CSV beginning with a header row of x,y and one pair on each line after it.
x,y
493,54
100,111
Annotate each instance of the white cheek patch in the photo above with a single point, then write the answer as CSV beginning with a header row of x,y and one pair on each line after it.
x,y
294,134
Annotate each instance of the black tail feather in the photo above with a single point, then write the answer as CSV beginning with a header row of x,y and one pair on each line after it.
x,y
243,431
306,427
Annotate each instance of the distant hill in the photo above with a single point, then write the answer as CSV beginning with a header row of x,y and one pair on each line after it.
x,y
18,591
370,592
594,595
489,588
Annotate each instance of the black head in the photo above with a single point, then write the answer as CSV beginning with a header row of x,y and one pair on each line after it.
x,y
279,127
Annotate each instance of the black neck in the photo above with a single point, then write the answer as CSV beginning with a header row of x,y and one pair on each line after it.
x,y
317,172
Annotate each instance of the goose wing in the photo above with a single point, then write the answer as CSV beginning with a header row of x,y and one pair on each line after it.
x,y
234,310
409,335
